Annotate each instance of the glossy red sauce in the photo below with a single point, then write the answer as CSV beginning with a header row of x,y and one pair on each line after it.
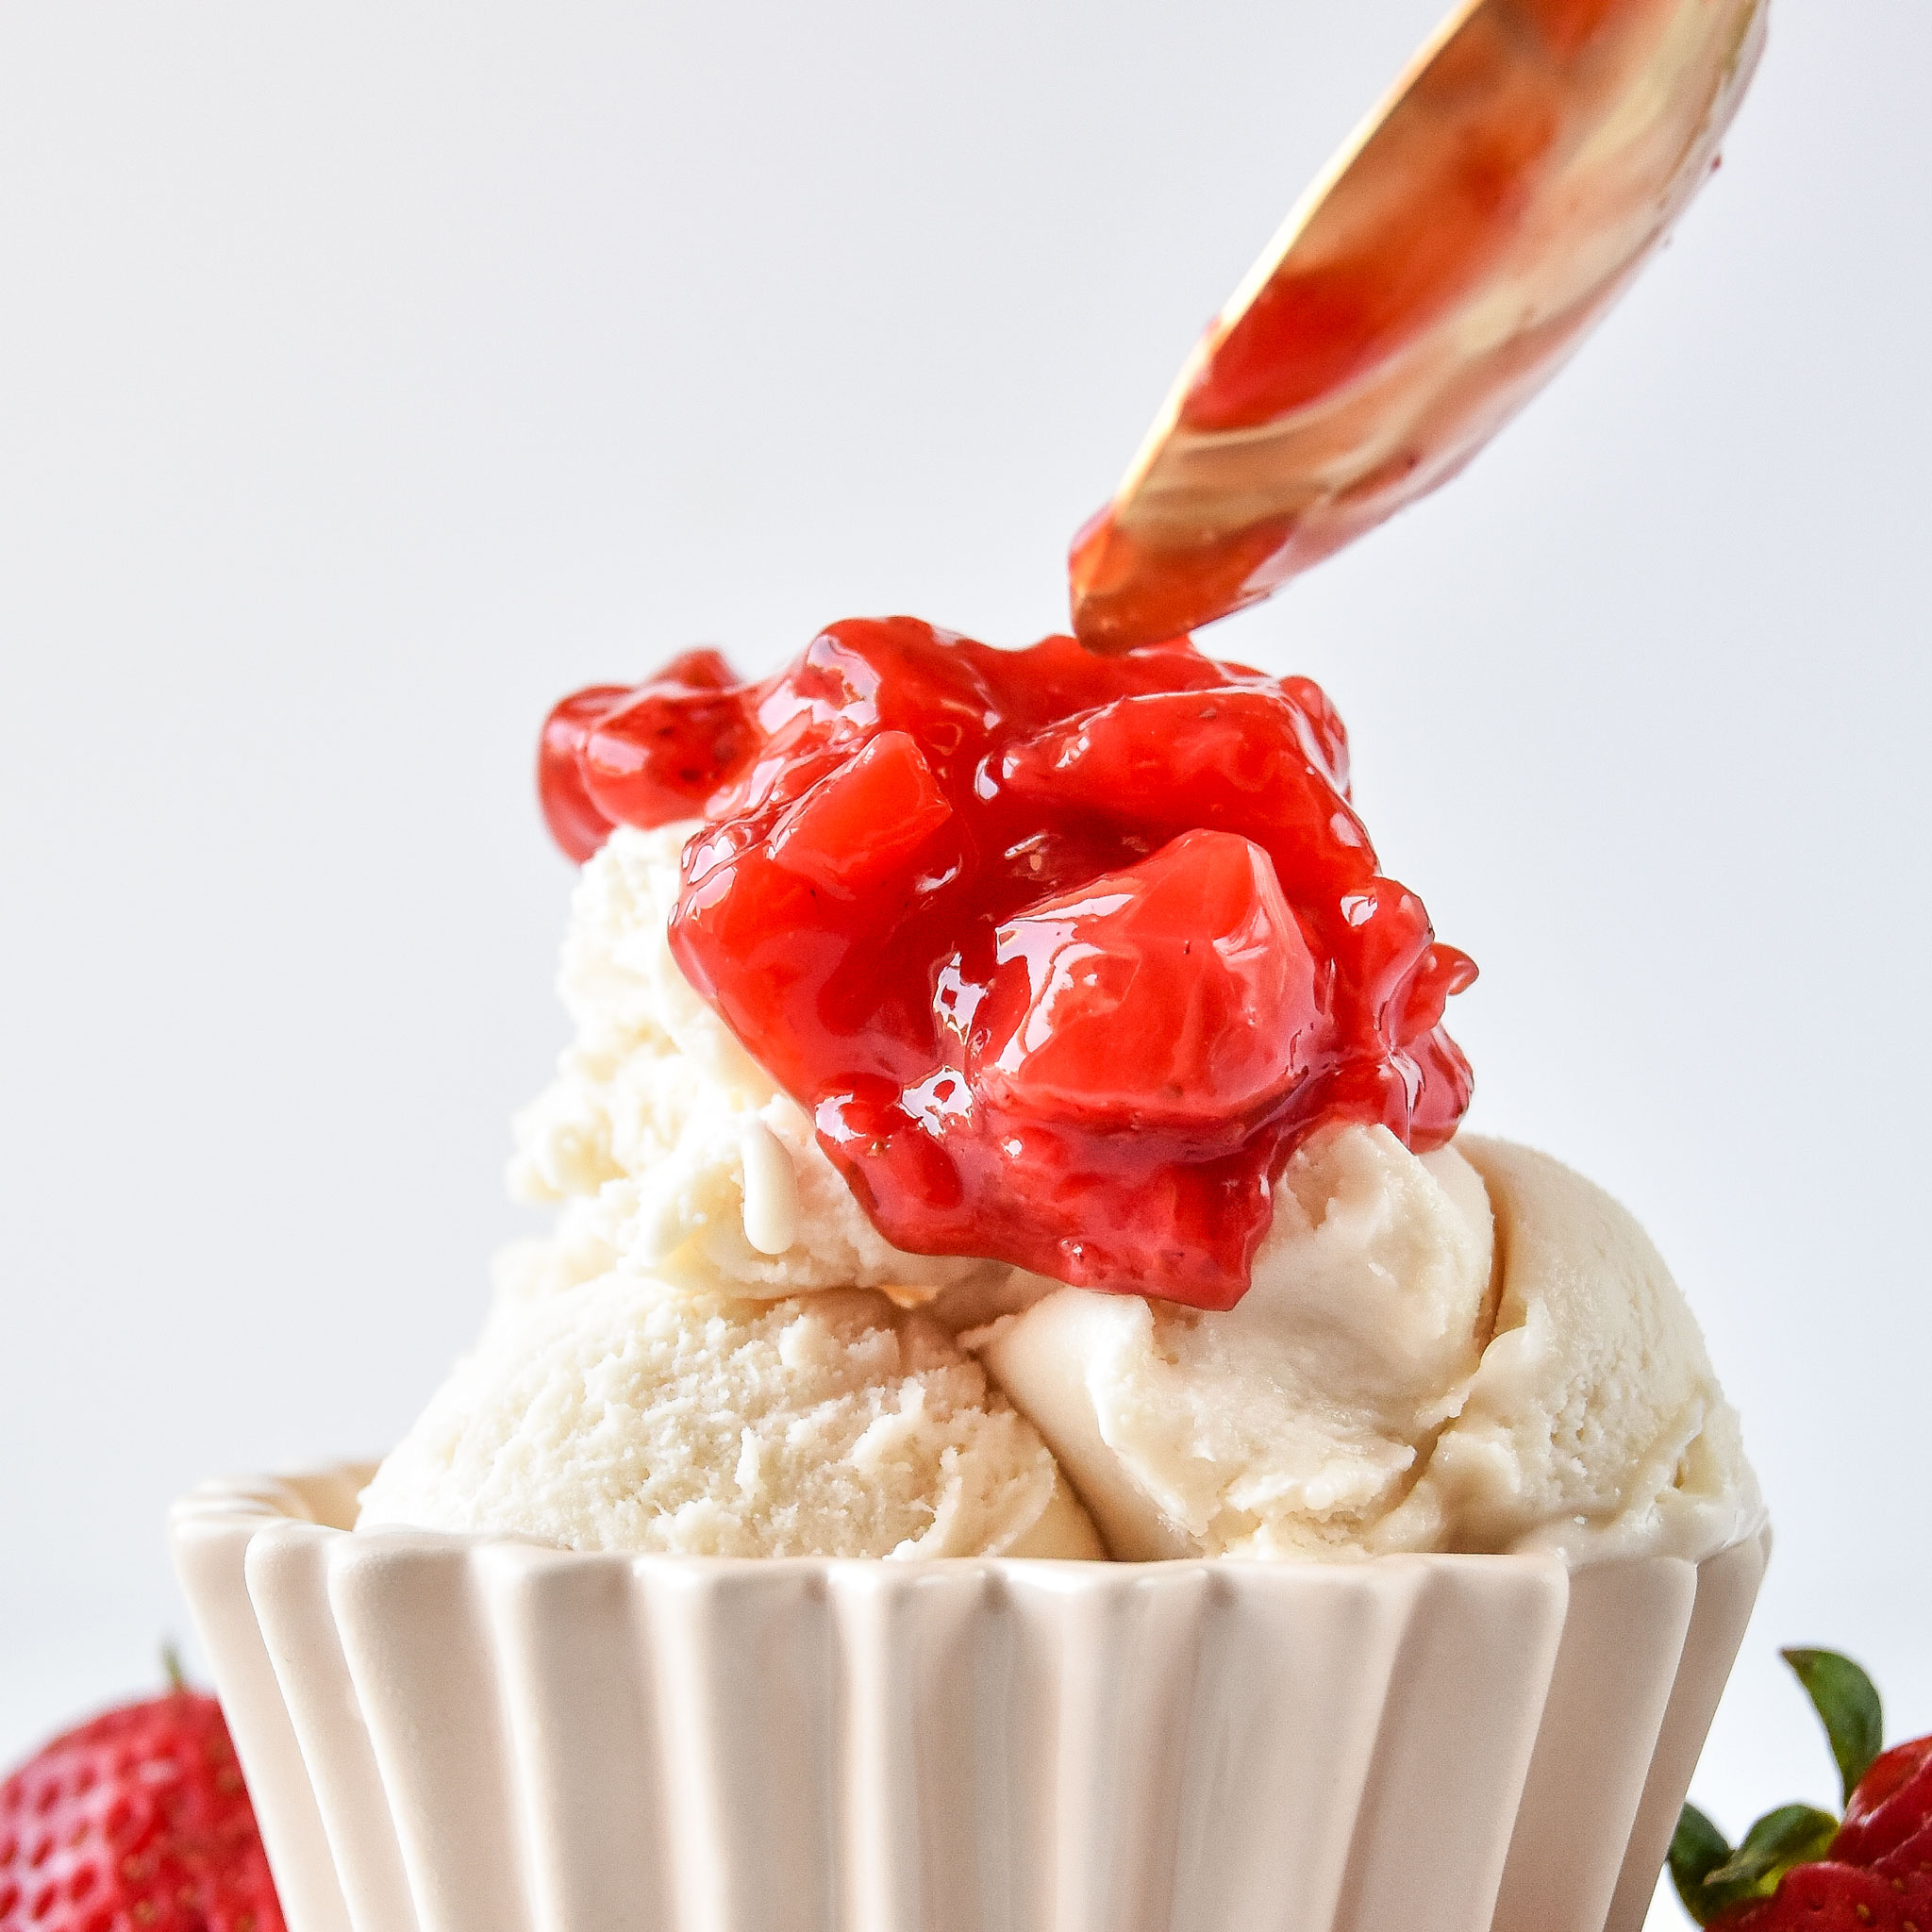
x,y
1064,954
1128,593
1391,250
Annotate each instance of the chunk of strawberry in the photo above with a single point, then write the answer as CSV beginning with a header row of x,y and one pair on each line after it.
x,y
1176,991
1270,764
657,756
573,815
863,823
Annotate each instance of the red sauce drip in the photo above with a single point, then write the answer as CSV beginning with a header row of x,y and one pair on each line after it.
x,y
1064,954
1127,592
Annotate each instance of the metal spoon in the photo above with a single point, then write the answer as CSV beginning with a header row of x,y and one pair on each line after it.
x,y
1430,282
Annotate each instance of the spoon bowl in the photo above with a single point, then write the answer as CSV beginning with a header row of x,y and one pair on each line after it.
x,y
1444,267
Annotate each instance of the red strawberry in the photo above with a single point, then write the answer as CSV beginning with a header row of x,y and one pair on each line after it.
x,y
137,1821
1799,1867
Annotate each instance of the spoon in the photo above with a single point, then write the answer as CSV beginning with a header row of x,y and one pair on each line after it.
x,y
1440,271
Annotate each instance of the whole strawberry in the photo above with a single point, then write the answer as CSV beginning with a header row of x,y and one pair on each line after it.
x,y
1801,1866
136,1822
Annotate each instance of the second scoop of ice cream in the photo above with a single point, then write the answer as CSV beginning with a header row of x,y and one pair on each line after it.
x,y
1406,1374
620,1414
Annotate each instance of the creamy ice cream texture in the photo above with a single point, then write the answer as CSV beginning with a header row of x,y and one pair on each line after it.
x,y
715,1352
624,1414
670,1147
1474,1350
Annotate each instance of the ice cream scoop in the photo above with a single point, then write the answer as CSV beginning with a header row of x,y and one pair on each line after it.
x,y
1292,1424
1376,1391
622,1414
1462,1349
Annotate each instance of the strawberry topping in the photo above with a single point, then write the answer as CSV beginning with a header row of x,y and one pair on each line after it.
x,y
1064,955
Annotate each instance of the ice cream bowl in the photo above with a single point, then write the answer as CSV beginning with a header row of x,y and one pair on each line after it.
x,y
475,1734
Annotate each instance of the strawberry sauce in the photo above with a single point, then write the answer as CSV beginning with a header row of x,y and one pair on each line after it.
x,y
1064,954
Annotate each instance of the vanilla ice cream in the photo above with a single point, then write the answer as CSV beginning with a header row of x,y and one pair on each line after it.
x,y
711,1350
693,1359
620,1414
673,1147
1472,1350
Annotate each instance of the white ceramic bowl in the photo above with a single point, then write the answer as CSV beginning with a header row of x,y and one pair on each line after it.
x,y
468,1734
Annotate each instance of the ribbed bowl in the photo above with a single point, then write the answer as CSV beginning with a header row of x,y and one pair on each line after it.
x,y
462,1734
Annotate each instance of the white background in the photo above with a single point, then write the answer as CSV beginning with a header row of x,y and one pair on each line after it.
x,y
372,374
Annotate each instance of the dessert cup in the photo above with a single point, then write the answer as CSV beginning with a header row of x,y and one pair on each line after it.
x,y
474,1733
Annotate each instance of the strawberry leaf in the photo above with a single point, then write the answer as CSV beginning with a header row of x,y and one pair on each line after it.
x,y
1848,1707
1698,1849
1792,1835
